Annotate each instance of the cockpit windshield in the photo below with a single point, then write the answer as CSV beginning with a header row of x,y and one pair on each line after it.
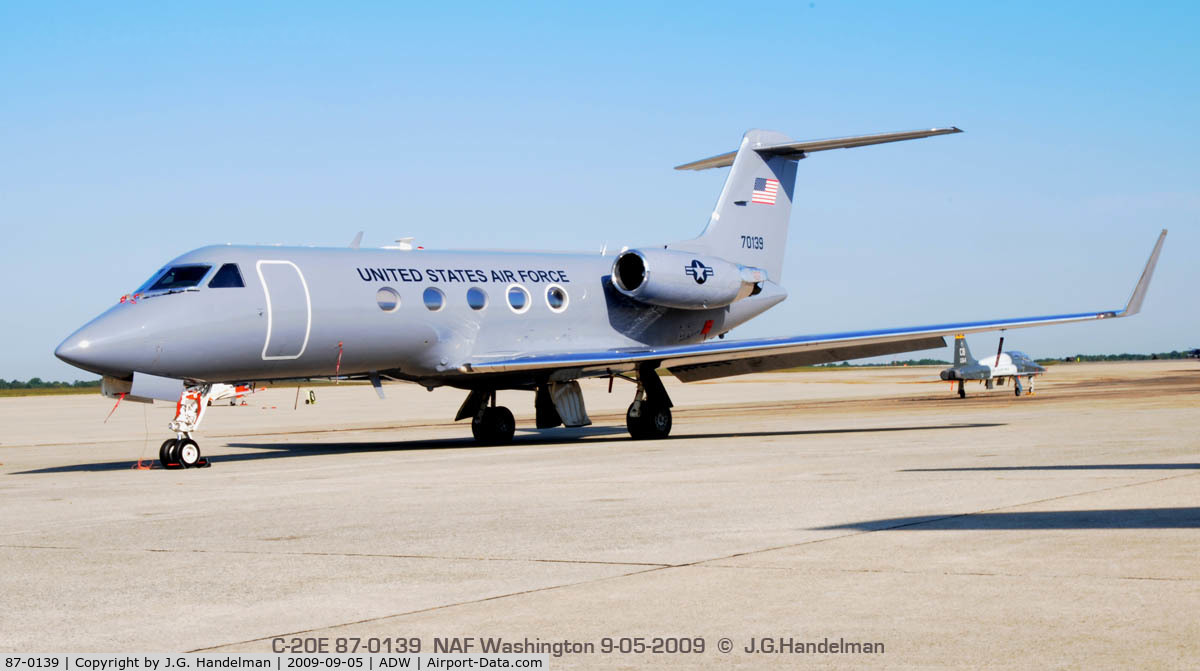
x,y
228,277
153,278
179,277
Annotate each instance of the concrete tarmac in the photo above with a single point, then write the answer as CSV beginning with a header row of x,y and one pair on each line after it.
x,y
1059,530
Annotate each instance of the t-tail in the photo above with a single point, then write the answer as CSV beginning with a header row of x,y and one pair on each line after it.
x,y
749,226
962,353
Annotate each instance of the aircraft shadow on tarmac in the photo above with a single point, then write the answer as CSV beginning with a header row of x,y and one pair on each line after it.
x,y
1118,518
1063,467
525,437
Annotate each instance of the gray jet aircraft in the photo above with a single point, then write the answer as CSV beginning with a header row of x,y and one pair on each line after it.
x,y
990,371
486,322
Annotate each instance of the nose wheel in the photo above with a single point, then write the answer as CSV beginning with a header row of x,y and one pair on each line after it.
x,y
189,453
181,453
168,453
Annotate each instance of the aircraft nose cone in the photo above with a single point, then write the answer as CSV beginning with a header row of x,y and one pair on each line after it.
x,y
70,349
77,350
87,350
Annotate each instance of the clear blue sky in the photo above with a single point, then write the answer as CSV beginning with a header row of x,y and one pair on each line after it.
x,y
133,132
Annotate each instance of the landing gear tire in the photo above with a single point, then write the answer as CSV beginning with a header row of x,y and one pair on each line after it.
x,y
652,420
164,452
188,452
962,389
494,426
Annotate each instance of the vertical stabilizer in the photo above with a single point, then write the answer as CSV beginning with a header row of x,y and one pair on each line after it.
x,y
749,225
750,222
962,353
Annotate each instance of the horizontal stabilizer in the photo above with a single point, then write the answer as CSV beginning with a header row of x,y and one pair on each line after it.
x,y
798,150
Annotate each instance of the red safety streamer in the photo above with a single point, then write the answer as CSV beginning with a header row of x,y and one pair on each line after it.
x,y
120,397
337,369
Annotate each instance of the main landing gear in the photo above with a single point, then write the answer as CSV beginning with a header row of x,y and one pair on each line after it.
x,y
494,425
491,424
1018,388
561,403
182,451
649,416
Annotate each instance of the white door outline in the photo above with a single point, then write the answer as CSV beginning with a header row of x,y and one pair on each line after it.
x,y
308,305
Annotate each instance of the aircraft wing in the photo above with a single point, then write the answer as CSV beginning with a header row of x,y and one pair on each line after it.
x,y
799,150
722,358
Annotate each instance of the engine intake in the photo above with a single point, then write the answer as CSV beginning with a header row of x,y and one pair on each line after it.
x,y
683,280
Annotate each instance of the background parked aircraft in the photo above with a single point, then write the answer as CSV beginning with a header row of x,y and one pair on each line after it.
x,y
991,370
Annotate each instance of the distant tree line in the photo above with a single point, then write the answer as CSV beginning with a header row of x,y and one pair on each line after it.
x,y
39,383
906,362
1174,354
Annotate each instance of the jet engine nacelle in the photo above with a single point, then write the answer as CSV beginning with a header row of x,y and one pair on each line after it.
x,y
681,280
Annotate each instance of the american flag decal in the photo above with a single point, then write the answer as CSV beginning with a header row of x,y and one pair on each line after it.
x,y
764,191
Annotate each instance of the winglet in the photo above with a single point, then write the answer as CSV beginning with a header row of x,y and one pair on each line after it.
x,y
356,241
1134,305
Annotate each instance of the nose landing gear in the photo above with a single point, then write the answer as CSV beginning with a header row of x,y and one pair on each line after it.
x,y
1028,390
182,451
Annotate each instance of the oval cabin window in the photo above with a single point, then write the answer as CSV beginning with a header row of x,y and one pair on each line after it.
x,y
518,298
477,298
434,299
388,299
556,298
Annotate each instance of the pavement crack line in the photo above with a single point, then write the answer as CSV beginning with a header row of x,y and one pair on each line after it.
x,y
368,555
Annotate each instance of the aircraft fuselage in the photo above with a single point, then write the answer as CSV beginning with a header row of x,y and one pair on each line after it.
x,y
307,312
